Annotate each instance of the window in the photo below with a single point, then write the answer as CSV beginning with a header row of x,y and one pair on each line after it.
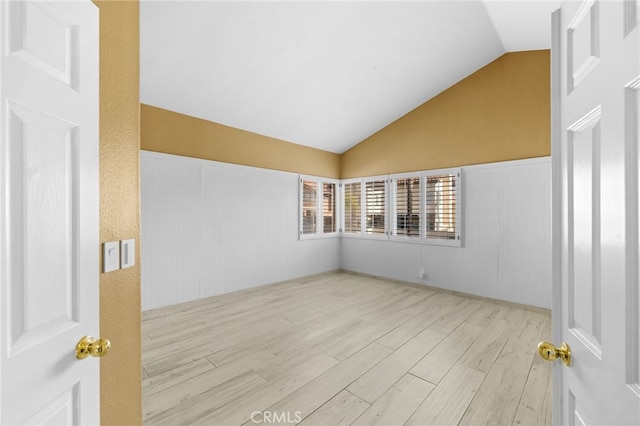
x,y
318,210
329,207
425,207
420,207
441,214
406,207
375,193
442,207
309,206
352,207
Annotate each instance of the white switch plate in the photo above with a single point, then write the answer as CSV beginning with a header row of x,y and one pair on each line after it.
x,y
128,253
110,256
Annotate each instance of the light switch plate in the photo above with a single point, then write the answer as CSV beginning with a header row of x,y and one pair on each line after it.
x,y
110,256
127,253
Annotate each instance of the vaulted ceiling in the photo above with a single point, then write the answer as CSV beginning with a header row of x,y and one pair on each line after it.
x,y
324,74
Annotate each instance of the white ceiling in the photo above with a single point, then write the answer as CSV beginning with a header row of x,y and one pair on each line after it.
x,y
323,74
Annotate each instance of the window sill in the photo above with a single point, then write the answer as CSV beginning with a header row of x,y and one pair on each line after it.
x,y
409,240
318,236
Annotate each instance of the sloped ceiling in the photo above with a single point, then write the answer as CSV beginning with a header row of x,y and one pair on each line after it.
x,y
322,74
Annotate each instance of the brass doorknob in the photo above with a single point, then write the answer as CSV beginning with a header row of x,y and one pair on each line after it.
x,y
549,352
90,346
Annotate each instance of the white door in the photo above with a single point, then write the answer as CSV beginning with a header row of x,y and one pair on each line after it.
x,y
49,249
595,91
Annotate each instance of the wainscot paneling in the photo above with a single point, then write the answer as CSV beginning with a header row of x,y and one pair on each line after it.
x,y
210,228
506,251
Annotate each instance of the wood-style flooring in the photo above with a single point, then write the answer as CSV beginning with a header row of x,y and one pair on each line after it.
x,y
340,348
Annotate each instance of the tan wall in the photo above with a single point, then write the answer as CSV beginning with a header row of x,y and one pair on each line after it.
x,y
166,131
499,113
120,370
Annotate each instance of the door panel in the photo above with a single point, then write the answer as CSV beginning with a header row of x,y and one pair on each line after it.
x,y
583,43
44,38
577,416
583,167
632,136
631,15
43,163
48,211
62,410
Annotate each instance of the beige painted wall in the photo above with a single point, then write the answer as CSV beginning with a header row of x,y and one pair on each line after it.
x,y
120,370
499,113
166,131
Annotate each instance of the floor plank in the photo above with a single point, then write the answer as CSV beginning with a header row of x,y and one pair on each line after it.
x,y
241,409
375,382
497,400
170,378
168,398
487,347
535,404
192,410
442,304
448,402
313,395
397,404
439,361
341,410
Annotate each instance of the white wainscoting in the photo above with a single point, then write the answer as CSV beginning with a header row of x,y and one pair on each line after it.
x,y
506,252
210,228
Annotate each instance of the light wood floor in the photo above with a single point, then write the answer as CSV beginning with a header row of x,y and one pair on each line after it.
x,y
344,349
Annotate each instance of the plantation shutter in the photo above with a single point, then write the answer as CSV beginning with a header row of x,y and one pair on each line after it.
x,y
352,208
309,206
441,208
407,207
374,204
329,213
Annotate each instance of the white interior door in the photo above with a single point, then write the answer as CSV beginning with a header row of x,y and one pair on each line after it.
x,y
596,82
48,211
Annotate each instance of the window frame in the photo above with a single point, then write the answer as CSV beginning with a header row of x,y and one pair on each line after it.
x,y
319,207
385,234
393,215
343,203
390,208
457,241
